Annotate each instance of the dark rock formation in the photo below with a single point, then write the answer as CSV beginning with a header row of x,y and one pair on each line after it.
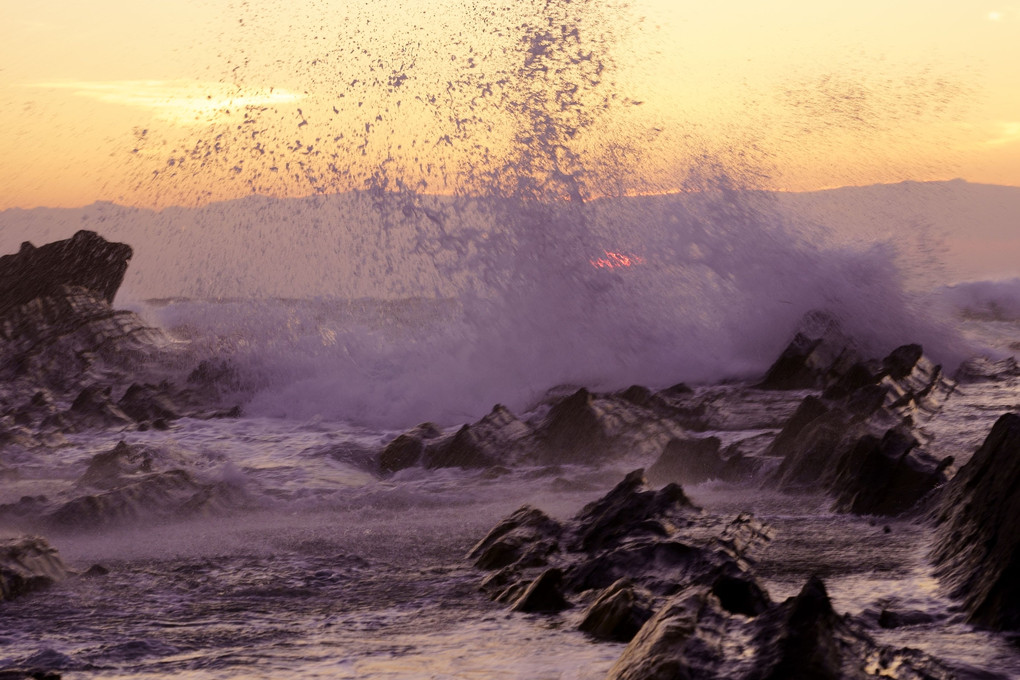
x,y
94,408
696,635
981,369
85,260
886,476
580,428
129,484
977,544
618,612
573,431
691,461
857,441
124,464
143,498
816,353
622,554
803,365
493,439
66,352
544,594
406,450
26,564
147,403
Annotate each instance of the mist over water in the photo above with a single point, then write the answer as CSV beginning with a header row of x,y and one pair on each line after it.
x,y
516,298
533,266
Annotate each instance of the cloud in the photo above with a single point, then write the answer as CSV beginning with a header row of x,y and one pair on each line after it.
x,y
1008,133
179,101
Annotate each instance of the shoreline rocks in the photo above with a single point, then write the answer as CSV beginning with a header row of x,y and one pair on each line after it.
x,y
858,441
28,564
976,549
85,260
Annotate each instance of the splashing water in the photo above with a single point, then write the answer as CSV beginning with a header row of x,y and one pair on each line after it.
x,y
473,191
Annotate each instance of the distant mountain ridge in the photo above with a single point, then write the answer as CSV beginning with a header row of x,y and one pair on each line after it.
x,y
340,245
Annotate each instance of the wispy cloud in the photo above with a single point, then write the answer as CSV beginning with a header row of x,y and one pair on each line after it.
x,y
1007,132
174,100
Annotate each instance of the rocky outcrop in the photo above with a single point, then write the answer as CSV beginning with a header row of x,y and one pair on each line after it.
x,y
71,361
580,428
977,544
819,351
130,484
697,634
619,556
697,459
26,564
858,441
981,369
86,260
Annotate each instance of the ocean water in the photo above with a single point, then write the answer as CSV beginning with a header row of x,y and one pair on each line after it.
x,y
327,569
386,298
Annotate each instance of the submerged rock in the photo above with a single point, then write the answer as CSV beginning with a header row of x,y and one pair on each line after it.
x,y
150,497
26,564
977,544
980,369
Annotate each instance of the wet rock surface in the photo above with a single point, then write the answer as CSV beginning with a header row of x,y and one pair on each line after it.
x,y
654,571
695,635
579,428
619,556
977,544
128,484
73,363
28,564
85,260
858,440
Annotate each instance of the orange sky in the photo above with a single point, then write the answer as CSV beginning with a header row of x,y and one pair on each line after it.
x,y
98,98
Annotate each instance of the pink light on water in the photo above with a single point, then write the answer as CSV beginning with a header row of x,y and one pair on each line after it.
x,y
614,260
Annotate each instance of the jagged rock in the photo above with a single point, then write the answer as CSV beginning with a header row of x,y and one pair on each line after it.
x,y
803,365
544,594
695,635
572,431
629,508
464,449
856,441
977,544
688,461
526,537
980,369
93,408
618,613
124,464
95,571
886,476
817,353
148,497
145,402
26,564
86,260
652,539
403,452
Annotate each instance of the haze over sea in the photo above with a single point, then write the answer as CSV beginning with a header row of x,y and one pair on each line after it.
x,y
383,215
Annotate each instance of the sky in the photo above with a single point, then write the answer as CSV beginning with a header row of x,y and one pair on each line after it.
x,y
163,103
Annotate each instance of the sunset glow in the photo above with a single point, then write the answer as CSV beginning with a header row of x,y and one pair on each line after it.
x,y
260,97
614,260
